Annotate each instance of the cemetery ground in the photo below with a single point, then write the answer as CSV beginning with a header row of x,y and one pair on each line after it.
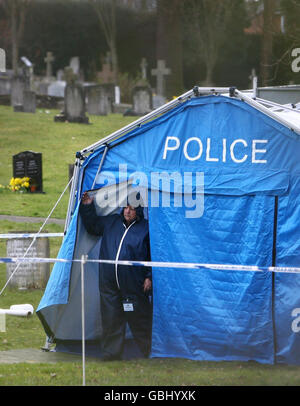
x,y
58,143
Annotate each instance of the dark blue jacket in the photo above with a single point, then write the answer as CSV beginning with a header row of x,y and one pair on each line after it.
x,y
123,243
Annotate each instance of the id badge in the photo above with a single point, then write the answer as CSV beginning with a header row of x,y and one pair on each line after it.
x,y
128,307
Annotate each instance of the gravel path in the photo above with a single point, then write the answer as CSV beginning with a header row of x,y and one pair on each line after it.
x,y
21,219
32,356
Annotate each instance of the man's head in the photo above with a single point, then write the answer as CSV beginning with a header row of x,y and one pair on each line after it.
x,y
129,214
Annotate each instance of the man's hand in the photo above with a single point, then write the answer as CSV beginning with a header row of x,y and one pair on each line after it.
x,y
86,199
147,284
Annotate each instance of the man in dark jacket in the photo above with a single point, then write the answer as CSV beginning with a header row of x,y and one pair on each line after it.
x,y
124,290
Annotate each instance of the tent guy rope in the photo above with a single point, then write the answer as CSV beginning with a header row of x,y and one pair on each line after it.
x,y
36,236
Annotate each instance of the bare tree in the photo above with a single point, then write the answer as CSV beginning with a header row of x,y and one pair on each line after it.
x,y
209,19
106,12
16,12
169,43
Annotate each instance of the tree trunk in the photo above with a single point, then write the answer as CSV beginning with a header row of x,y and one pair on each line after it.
x,y
14,38
209,75
169,43
107,18
267,42
114,61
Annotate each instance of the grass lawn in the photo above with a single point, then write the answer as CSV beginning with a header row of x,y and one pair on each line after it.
x,y
58,142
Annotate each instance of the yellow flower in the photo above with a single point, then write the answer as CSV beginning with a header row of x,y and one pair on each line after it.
x,y
17,184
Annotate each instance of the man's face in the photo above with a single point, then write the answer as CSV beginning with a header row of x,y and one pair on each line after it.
x,y
129,214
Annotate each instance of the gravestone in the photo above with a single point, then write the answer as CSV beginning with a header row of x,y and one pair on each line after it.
x,y
42,88
117,95
75,104
49,59
19,84
106,75
28,70
57,89
111,94
29,102
98,100
29,164
142,100
28,275
160,72
60,75
158,101
75,65
5,84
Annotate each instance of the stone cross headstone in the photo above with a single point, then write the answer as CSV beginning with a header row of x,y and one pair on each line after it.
x,y
160,72
142,100
75,104
29,164
49,59
106,75
28,275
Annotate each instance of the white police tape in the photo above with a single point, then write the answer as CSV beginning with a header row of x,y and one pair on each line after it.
x,y
29,235
155,264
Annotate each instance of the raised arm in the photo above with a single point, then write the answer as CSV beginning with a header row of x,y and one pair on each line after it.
x,y
93,223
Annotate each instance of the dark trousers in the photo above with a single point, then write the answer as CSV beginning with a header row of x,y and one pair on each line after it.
x,y
114,319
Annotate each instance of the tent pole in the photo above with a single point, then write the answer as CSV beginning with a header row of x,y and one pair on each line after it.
x,y
100,165
72,193
266,111
274,252
83,261
196,91
276,105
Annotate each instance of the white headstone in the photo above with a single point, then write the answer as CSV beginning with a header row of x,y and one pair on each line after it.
x,y
75,64
57,88
60,74
117,95
142,100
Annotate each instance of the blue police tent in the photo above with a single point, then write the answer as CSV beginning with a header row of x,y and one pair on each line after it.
x,y
222,181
